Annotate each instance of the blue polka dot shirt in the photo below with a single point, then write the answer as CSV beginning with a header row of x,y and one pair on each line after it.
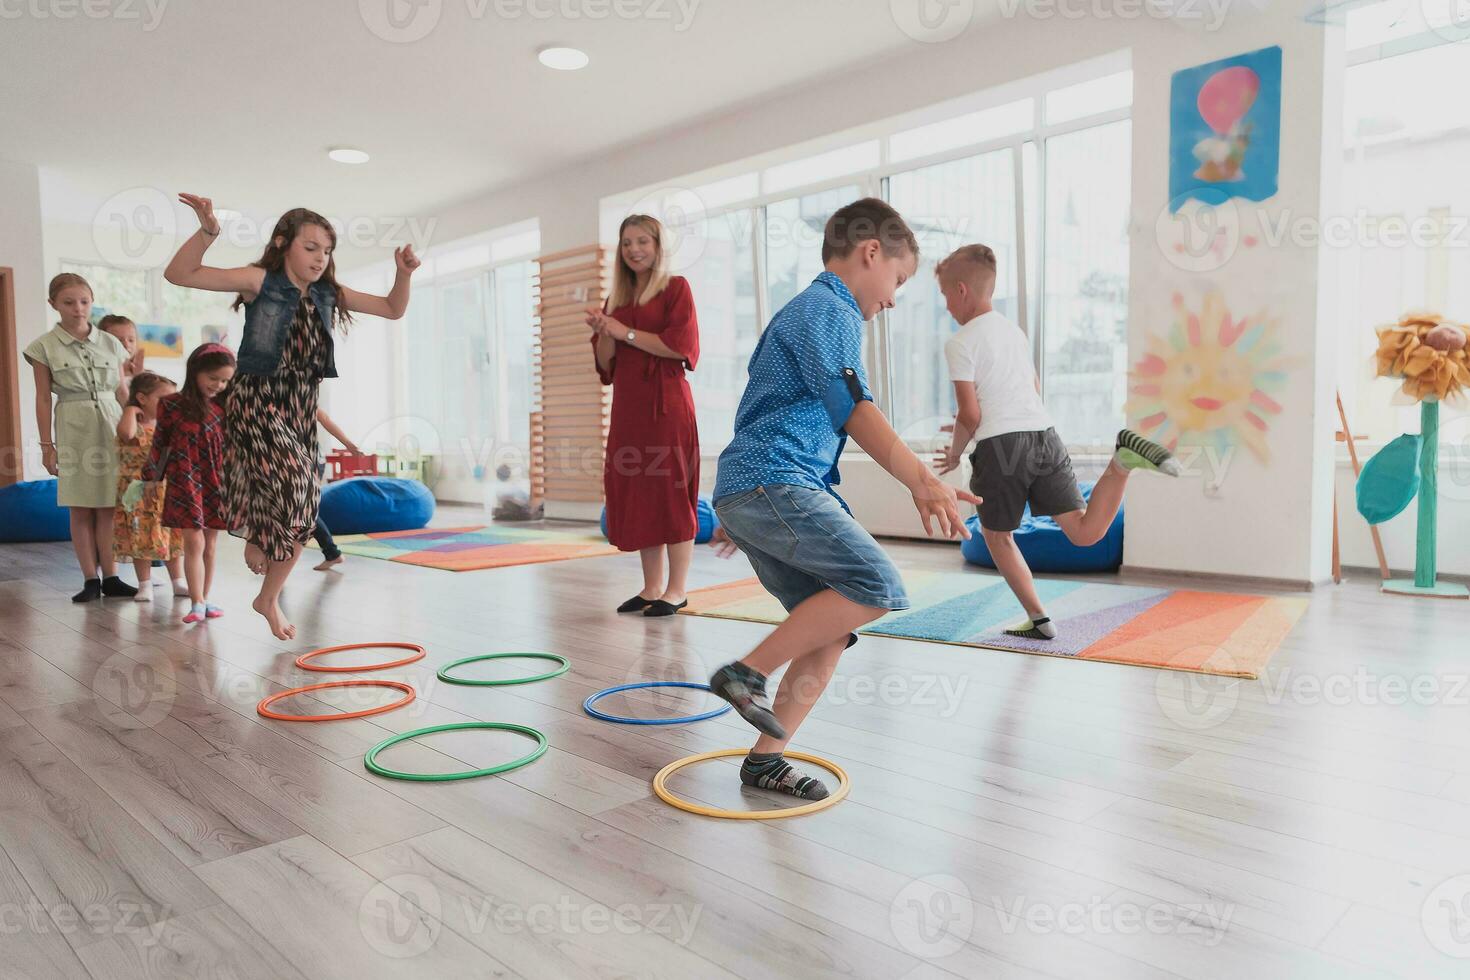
x,y
806,377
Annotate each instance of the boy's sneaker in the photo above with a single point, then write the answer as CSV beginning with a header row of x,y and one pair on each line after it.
x,y
745,689
1134,452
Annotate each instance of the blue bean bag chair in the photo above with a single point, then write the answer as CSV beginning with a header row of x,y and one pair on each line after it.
x,y
365,504
28,512
1046,548
704,514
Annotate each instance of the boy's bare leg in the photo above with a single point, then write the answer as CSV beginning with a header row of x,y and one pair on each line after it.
x,y
818,622
816,625
1088,526
1012,566
801,688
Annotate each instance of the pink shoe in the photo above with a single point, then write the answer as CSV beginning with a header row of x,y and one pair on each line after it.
x,y
212,611
196,613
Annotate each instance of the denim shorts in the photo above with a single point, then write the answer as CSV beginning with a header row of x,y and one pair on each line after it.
x,y
801,541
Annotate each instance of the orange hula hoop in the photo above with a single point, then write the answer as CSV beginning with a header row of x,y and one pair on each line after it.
x,y
264,709
419,654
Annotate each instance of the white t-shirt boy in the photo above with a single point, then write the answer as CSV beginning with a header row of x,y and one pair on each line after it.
x,y
994,353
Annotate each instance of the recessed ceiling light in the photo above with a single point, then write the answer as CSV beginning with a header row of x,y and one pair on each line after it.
x,y
563,59
347,154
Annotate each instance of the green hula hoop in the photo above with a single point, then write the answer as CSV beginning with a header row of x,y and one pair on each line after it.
x,y
371,761
443,673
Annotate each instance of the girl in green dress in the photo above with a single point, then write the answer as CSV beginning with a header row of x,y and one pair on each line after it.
x,y
81,366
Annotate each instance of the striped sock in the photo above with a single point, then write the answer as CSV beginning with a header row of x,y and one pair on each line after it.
x,y
770,770
1039,628
1134,452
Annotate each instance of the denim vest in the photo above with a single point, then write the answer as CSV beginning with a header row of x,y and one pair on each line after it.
x,y
268,323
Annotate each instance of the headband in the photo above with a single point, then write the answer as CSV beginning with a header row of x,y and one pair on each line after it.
x,y
211,348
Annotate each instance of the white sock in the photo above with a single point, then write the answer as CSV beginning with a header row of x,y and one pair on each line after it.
x,y
145,594
181,586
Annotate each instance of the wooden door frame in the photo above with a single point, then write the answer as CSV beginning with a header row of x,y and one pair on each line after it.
x,y
12,455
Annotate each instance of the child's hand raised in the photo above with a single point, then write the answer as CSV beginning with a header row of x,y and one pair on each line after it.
x,y
405,260
937,500
204,208
946,461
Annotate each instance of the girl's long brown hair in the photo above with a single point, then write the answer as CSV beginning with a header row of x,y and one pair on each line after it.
x,y
208,357
274,258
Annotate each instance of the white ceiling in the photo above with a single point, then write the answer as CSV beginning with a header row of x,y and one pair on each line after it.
x,y
241,100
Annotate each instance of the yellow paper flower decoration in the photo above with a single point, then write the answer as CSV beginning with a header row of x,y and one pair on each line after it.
x,y
1432,368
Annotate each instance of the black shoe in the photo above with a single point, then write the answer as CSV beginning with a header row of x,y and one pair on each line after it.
x,y
745,689
851,639
115,588
660,608
91,589
635,604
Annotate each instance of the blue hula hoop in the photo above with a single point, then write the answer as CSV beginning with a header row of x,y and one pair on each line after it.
x,y
604,716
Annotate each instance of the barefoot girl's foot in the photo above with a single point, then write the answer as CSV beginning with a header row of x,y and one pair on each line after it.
x,y
327,563
280,628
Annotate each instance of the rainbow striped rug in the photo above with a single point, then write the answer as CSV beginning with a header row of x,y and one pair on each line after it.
x,y
1223,633
466,549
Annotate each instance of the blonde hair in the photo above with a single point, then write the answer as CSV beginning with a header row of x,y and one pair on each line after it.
x,y
115,320
625,282
972,264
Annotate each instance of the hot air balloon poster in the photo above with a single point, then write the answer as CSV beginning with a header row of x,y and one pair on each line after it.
x,y
1225,129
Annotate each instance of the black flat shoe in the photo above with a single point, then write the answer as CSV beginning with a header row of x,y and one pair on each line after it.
x,y
115,588
91,590
635,604
660,608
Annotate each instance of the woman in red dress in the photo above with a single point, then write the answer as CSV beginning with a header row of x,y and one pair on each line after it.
x,y
651,472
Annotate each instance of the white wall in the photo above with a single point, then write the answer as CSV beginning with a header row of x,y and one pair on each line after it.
x,y
1268,519
21,249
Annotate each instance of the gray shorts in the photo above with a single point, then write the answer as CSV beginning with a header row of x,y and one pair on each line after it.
x,y
1014,469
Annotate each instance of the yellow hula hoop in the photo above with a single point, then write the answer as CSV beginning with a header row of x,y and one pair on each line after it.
x,y
843,785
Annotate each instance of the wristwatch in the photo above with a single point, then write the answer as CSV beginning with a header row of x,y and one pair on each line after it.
x,y
631,335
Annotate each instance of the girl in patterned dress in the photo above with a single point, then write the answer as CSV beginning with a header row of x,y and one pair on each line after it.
x,y
189,452
292,300
140,534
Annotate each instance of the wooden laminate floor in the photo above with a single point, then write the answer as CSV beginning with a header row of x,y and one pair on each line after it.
x,y
1010,816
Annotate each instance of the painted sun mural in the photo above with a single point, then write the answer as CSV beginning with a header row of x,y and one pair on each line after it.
x,y
1214,380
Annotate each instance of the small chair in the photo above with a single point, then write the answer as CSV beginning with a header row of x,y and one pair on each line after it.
x,y
347,464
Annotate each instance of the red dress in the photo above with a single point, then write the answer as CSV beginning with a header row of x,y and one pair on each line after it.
x,y
190,454
651,473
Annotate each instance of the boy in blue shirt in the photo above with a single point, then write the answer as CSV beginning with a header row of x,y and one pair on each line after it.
x,y
773,494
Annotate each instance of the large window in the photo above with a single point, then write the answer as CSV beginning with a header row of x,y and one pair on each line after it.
x,y
144,297
1400,224
972,199
1051,157
794,228
1084,313
722,279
